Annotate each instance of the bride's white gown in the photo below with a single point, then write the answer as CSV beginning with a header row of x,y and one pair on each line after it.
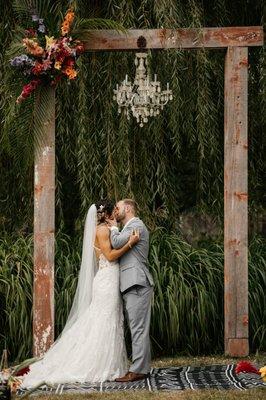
x,y
93,349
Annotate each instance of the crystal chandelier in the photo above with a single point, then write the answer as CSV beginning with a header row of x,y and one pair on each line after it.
x,y
144,98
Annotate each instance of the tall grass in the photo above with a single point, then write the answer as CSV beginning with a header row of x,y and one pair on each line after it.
x,y
188,309
187,313
16,296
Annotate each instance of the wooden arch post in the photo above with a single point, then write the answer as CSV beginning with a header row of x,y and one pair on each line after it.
x,y
44,227
235,202
236,41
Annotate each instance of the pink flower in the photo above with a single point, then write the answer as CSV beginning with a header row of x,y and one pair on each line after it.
x,y
30,32
47,64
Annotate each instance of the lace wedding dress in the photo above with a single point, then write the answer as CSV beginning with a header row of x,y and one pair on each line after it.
x,y
92,348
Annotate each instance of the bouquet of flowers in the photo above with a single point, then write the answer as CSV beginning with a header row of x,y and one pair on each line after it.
x,y
247,367
47,59
12,377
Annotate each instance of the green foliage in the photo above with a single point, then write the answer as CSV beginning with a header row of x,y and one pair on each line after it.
x,y
177,157
82,27
187,309
16,296
187,313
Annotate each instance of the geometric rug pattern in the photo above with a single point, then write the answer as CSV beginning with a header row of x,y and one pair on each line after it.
x,y
174,378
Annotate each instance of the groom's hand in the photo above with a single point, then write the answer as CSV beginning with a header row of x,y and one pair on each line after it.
x,y
111,222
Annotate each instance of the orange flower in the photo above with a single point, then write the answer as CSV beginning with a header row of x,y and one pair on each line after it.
x,y
65,27
70,72
15,383
38,68
70,17
67,70
73,74
33,47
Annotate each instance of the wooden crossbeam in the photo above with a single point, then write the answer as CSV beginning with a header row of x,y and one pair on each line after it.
x,y
175,38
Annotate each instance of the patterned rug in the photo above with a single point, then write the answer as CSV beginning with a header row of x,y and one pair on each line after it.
x,y
176,378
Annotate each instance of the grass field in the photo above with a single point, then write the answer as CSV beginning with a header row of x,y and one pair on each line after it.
x,y
259,359
256,394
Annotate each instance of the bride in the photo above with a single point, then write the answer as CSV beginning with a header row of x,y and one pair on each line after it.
x,y
91,347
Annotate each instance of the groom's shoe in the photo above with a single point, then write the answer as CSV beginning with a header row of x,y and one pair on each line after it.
x,y
122,378
131,377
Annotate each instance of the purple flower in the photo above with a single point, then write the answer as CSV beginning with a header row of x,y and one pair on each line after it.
x,y
35,18
41,28
22,61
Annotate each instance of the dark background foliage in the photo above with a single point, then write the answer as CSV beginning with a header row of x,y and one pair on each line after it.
x,y
177,157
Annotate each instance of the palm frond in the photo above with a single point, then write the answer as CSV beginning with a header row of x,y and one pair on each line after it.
x,y
82,26
43,114
51,11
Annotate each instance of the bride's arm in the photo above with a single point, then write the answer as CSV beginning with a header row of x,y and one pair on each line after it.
x,y
103,238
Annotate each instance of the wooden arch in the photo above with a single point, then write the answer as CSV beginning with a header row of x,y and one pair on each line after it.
x,y
236,41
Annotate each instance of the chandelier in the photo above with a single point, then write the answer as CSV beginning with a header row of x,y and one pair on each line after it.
x,y
144,98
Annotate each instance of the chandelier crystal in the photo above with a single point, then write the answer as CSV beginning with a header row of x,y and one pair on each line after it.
x,y
144,98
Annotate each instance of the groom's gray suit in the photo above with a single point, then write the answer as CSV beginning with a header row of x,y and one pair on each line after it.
x,y
136,285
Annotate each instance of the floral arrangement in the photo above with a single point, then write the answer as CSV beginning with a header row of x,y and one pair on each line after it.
x,y
247,367
12,377
10,381
47,59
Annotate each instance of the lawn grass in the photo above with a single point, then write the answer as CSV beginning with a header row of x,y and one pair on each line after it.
x,y
252,394
258,359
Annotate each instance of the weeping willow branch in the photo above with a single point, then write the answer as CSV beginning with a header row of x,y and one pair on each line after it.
x,y
175,163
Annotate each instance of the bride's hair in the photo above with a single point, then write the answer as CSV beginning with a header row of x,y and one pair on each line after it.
x,y
104,209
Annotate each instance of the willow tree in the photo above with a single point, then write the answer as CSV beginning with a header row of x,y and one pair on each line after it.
x,y
186,140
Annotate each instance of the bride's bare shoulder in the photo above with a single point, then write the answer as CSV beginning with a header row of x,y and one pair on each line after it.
x,y
102,230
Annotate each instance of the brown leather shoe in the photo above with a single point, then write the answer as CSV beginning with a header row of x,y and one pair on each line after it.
x,y
131,377
121,377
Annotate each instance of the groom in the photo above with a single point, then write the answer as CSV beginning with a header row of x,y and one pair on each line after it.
x,y
136,285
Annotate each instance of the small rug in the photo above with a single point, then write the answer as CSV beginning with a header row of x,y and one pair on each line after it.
x,y
174,378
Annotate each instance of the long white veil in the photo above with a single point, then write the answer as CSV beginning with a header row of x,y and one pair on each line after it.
x,y
62,362
83,295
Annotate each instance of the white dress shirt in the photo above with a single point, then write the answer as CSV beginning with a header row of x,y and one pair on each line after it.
x,y
115,227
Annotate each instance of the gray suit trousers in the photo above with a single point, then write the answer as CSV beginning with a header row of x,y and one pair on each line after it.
x,y
137,301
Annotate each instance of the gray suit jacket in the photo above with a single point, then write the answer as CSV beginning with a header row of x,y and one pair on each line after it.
x,y
133,264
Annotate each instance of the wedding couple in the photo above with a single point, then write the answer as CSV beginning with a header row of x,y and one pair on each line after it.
x,y
91,347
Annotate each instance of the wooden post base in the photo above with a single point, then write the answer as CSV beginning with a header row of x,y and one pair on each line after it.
x,y
237,347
